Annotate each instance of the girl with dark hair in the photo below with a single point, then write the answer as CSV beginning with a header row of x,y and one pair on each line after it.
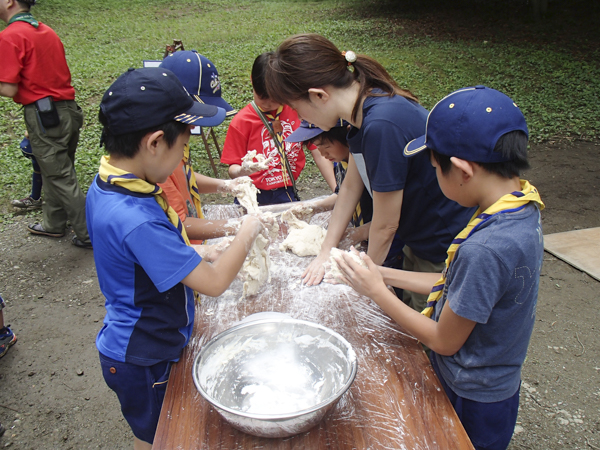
x,y
323,84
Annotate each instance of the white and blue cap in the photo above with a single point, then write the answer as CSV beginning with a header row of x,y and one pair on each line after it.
x,y
468,123
143,98
307,131
199,76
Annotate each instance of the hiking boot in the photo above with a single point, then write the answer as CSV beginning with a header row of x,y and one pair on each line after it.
x,y
7,340
37,228
81,244
28,203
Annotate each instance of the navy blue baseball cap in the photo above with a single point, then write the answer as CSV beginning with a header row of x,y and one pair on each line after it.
x,y
144,98
468,123
199,76
307,131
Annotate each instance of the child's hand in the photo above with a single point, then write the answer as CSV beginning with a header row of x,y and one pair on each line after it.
x,y
229,186
232,226
254,223
303,211
249,166
353,236
366,281
210,253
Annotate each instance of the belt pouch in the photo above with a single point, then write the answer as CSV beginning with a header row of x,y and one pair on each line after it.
x,y
47,113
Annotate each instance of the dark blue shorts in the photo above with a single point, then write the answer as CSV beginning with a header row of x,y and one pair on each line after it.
x,y
141,391
490,426
274,196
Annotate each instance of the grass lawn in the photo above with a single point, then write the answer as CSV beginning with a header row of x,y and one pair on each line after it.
x,y
556,86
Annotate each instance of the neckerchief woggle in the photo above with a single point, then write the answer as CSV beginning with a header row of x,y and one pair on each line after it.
x,y
24,17
512,202
126,180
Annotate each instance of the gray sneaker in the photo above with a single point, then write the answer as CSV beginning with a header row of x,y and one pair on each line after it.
x,y
28,203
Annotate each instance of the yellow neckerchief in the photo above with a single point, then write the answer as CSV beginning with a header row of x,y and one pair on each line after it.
x,y
279,138
126,180
357,218
508,203
112,175
191,178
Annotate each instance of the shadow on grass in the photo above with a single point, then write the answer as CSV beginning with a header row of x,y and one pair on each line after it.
x,y
572,25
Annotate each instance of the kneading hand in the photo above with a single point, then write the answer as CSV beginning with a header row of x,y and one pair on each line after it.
x,y
366,281
315,272
249,166
230,186
210,252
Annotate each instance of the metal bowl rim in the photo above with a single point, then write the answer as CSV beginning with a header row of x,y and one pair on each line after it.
x,y
330,400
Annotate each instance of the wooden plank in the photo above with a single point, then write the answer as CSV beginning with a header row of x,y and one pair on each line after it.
x,y
579,248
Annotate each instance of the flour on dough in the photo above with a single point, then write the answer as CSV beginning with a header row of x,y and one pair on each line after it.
x,y
303,239
261,162
245,192
334,275
256,268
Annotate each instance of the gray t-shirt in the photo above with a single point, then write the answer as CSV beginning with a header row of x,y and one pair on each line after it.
x,y
494,281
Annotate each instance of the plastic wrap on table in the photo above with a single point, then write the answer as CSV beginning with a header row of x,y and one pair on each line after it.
x,y
395,401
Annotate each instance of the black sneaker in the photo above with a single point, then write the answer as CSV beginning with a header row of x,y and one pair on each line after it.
x,y
79,243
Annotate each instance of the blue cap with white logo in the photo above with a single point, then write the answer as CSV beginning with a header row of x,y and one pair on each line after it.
x,y
199,76
144,98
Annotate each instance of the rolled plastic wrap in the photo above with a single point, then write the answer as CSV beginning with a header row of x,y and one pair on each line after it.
x,y
395,401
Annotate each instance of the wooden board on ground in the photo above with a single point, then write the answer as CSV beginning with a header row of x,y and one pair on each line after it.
x,y
579,248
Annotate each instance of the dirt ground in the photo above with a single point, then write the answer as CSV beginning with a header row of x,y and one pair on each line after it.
x,y
53,395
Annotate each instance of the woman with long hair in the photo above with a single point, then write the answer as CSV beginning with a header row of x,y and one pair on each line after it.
x,y
310,74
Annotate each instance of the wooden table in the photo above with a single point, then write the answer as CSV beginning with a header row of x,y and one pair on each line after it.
x,y
395,402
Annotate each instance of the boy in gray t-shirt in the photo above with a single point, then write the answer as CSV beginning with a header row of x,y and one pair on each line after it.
x,y
484,305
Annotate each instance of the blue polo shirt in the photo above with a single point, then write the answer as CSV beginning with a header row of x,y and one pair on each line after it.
x,y
140,259
428,220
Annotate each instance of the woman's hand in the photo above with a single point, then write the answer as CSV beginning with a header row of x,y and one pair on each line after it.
x,y
315,272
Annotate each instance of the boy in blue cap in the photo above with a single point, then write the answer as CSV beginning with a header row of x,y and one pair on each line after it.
x,y
146,270
484,305
183,187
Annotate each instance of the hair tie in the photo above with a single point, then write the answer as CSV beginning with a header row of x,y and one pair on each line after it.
x,y
351,58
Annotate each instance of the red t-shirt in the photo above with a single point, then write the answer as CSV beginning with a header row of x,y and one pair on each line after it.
x,y
247,132
177,190
34,59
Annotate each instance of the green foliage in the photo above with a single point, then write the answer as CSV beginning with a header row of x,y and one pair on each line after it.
x,y
557,92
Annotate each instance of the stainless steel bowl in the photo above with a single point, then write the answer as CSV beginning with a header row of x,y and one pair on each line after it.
x,y
275,377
